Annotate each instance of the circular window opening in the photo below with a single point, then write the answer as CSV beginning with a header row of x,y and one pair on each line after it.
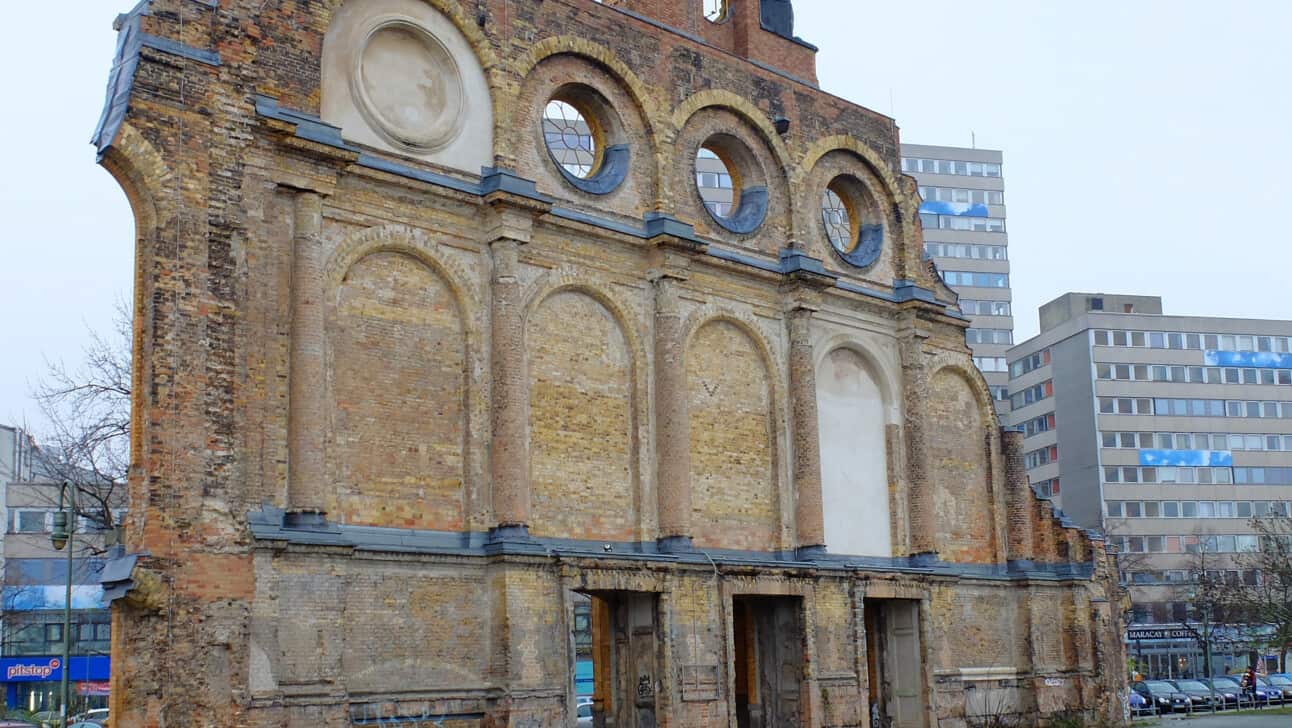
x,y
715,11
852,221
572,139
838,221
718,188
582,134
730,183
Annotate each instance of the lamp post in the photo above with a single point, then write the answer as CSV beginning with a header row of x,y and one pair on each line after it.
x,y
63,537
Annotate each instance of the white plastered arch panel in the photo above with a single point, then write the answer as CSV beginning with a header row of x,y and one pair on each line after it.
x,y
855,405
398,75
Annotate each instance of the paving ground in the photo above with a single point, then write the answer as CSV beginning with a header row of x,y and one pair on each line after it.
x,y
1264,719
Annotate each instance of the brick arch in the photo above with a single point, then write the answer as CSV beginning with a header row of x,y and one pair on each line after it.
x,y
565,279
413,243
740,106
696,320
964,471
974,379
144,177
889,381
764,530
644,101
403,412
904,206
634,520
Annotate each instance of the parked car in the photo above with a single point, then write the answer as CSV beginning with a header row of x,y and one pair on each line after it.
x,y
1226,690
1262,696
1162,695
1282,681
1274,692
94,717
1139,704
584,714
1199,693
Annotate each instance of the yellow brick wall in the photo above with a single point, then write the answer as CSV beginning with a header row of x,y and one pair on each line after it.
x,y
732,476
395,346
580,399
959,460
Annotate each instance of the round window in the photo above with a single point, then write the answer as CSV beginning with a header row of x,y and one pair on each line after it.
x,y
838,221
571,139
717,187
728,179
852,220
580,130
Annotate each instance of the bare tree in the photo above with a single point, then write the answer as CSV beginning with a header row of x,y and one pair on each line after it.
x,y
87,410
1267,597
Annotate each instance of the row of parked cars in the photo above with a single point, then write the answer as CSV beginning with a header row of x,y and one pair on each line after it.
x,y
1155,697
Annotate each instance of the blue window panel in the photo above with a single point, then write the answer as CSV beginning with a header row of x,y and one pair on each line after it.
x,y
1251,359
1187,458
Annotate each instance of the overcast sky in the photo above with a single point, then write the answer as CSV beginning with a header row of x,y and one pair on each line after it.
x,y
1143,146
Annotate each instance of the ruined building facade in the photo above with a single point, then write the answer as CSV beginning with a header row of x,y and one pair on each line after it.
x,y
411,386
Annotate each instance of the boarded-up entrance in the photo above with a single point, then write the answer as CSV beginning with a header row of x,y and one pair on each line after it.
x,y
768,661
897,693
625,659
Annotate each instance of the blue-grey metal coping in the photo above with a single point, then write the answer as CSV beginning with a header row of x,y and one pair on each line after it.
x,y
267,525
125,62
749,215
615,161
653,224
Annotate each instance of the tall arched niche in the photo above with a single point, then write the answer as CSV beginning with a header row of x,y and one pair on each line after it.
x,y
398,75
854,475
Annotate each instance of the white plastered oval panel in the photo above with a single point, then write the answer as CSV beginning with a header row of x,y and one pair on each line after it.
x,y
399,76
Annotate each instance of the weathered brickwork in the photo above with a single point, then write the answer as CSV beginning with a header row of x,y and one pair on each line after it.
x,y
581,439
732,477
396,458
400,420
961,505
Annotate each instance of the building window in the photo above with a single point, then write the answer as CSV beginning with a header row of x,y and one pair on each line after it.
x,y
30,521
1094,303
715,11
570,139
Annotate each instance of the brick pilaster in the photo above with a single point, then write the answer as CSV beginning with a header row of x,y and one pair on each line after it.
x,y
809,512
915,392
305,412
672,419
509,454
1019,493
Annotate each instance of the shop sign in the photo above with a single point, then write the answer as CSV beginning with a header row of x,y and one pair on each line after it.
x,y
85,668
92,687
1158,633
32,670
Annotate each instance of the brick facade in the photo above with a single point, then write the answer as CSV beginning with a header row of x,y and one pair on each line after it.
x,y
393,415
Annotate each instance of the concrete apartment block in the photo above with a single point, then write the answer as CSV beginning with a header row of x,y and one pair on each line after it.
x,y
1159,429
963,214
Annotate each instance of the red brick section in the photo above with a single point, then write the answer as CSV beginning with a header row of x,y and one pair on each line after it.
x,y
1021,500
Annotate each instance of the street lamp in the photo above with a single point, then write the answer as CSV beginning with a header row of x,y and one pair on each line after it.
x,y
63,537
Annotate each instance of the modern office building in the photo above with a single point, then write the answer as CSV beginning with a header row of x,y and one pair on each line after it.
x,y
34,592
1168,432
963,213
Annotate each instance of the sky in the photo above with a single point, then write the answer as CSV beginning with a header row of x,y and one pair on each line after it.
x,y
1144,142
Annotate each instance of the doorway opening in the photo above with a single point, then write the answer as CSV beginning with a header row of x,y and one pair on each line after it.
x,y
617,658
768,660
894,663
